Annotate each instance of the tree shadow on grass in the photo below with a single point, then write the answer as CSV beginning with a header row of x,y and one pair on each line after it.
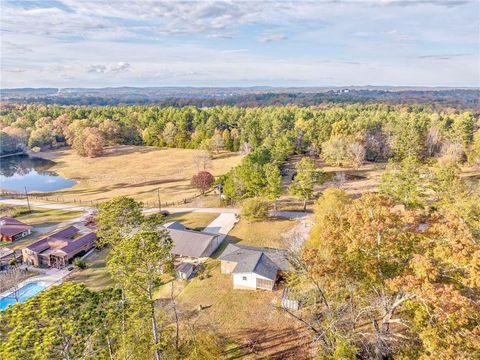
x,y
289,343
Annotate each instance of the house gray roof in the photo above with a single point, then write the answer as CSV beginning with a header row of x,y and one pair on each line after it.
x,y
262,261
184,268
176,225
190,243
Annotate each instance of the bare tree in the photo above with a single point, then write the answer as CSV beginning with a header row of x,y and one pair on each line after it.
x,y
245,148
217,143
356,152
433,141
202,160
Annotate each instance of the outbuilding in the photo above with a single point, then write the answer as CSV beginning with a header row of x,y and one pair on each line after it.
x,y
184,270
12,229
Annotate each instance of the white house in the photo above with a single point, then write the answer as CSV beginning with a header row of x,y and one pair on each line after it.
x,y
253,267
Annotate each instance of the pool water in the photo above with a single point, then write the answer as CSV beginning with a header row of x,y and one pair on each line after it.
x,y
23,293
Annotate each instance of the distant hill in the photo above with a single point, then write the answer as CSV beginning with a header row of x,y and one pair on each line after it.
x,y
244,96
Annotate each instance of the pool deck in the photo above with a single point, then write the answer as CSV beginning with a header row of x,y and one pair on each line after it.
x,y
49,278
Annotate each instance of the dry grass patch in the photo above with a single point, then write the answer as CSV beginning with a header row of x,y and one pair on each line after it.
x,y
136,171
248,318
192,220
38,217
269,233
95,276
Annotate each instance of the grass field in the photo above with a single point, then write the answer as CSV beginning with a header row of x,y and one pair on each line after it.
x,y
95,276
268,233
248,318
196,221
137,171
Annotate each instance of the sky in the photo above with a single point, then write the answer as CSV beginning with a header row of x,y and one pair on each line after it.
x,y
103,43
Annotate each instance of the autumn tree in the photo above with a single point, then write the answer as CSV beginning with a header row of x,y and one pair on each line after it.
x,y
202,181
342,151
380,282
111,131
169,133
93,142
202,160
217,142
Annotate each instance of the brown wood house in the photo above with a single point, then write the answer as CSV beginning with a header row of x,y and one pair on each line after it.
x,y
58,249
11,229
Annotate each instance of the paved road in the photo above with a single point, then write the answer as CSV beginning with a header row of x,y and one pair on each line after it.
x,y
195,209
89,209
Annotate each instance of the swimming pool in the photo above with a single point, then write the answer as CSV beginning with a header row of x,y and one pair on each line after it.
x,y
23,293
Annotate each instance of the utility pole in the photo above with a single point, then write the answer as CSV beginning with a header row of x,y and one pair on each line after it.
x,y
28,202
159,203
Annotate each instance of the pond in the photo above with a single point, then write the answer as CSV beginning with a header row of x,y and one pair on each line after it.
x,y
18,172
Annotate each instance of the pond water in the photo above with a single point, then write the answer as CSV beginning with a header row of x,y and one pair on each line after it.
x,y
18,172
22,294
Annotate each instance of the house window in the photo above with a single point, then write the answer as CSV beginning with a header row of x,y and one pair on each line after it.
x,y
244,278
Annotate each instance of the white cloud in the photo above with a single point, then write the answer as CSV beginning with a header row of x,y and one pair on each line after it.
x,y
273,37
109,68
217,42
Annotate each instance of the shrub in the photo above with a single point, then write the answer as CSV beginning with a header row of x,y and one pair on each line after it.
x,y
79,263
255,209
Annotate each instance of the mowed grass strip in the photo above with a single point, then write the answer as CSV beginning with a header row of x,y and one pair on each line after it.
x,y
136,171
38,217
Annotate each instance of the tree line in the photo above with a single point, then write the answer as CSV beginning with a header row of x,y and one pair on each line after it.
x,y
342,134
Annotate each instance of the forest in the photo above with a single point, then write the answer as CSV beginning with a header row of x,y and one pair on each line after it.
x,y
381,131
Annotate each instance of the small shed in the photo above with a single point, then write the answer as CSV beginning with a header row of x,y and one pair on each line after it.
x,y
184,270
